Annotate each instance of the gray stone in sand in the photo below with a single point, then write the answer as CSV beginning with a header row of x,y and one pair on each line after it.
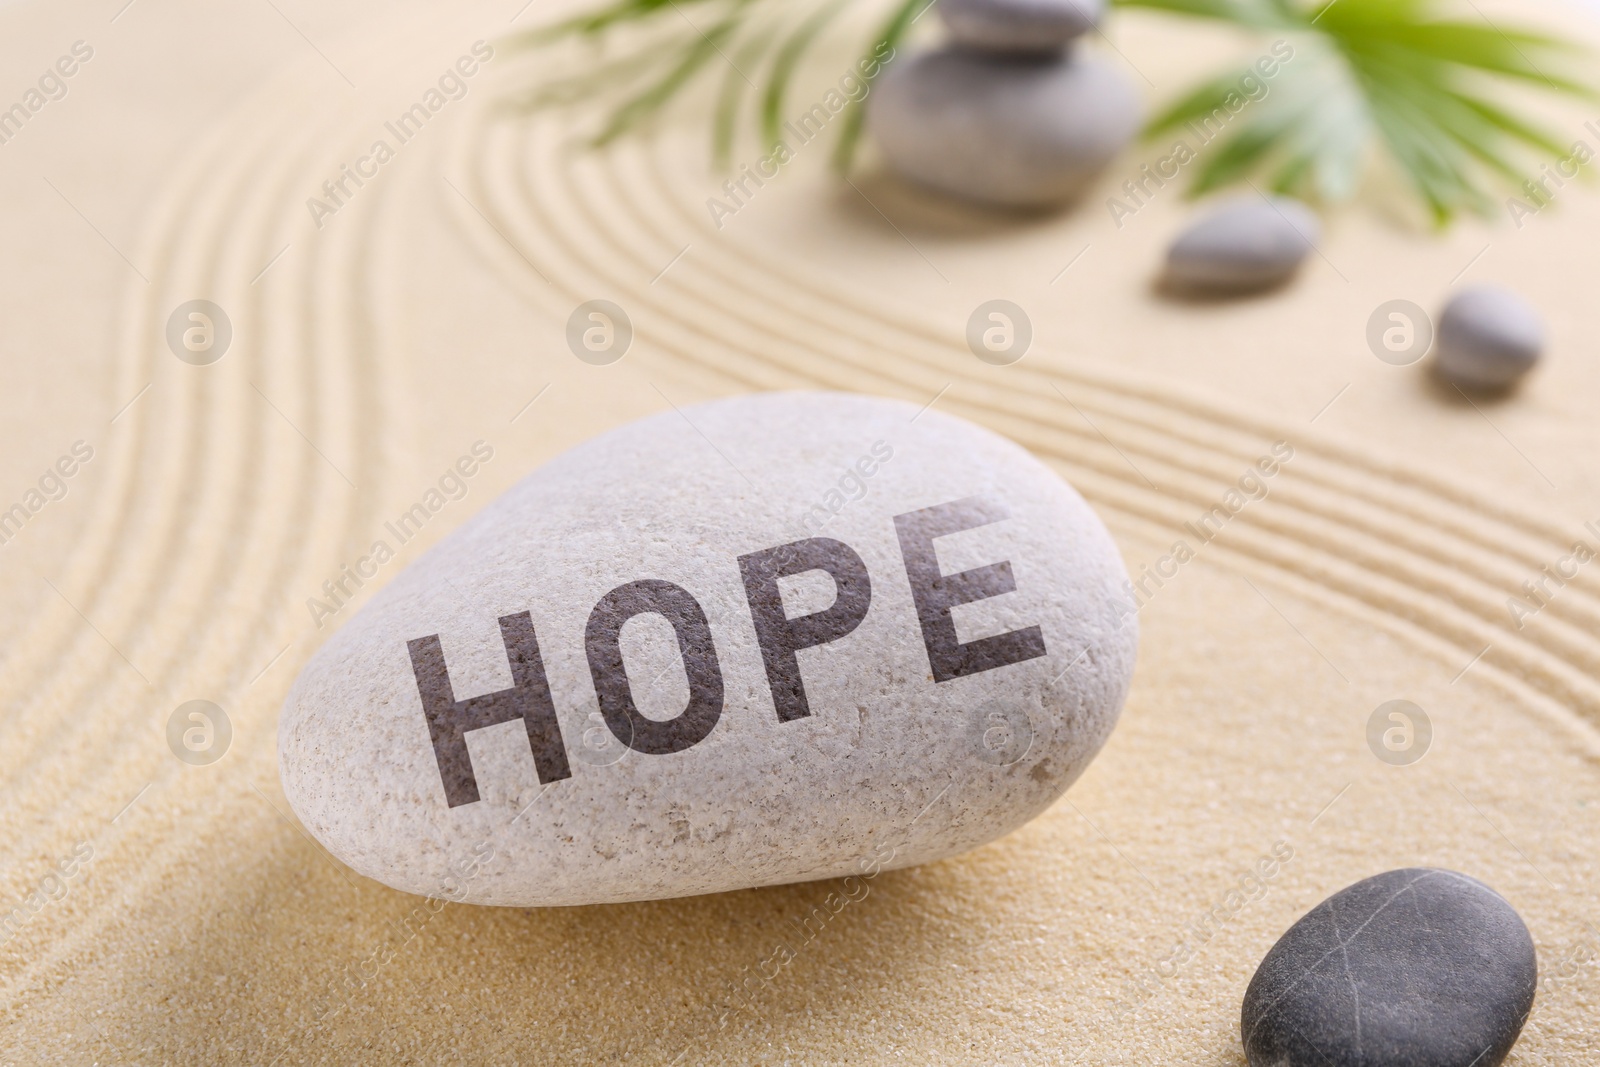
x,y
1489,337
1019,25
1246,244
1410,968
767,639
1014,131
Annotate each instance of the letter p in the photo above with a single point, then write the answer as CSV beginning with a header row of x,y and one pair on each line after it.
x,y
780,636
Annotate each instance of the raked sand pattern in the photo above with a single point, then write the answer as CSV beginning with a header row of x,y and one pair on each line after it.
x,y
1119,927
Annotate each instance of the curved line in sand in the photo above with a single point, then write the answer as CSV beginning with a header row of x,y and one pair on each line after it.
x,y
200,439
330,386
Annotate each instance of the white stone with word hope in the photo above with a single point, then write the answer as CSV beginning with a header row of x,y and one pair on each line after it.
x,y
752,642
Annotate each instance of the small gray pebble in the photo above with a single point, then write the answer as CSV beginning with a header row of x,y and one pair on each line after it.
x,y
1247,244
1015,131
1410,968
1019,25
1489,337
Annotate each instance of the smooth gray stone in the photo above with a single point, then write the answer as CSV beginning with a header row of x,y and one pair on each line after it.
x,y
1014,131
1246,244
1489,337
1410,968
1019,25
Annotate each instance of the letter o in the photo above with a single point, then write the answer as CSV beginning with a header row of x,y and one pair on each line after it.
x,y
602,642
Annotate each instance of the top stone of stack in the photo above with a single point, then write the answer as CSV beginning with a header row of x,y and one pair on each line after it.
x,y
1041,27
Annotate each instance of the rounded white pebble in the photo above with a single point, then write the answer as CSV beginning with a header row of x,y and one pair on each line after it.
x,y
769,639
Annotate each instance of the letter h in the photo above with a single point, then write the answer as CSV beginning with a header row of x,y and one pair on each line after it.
x,y
450,720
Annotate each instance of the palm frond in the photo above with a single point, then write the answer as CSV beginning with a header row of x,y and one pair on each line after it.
x,y
887,39
724,127
1419,80
1236,158
1406,71
1198,103
783,66
645,103
609,76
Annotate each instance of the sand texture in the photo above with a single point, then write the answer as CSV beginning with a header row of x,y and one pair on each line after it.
x,y
200,924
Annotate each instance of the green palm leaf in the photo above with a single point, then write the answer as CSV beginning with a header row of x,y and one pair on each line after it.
x,y
783,66
1415,82
1403,71
889,36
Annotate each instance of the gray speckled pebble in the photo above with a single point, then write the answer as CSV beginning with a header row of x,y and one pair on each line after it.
x,y
767,639
1019,25
1005,130
1246,244
1489,337
1410,968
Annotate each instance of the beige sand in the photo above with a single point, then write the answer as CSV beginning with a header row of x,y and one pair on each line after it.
x,y
206,928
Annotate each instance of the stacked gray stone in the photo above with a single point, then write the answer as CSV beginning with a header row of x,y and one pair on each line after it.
x,y
1010,112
